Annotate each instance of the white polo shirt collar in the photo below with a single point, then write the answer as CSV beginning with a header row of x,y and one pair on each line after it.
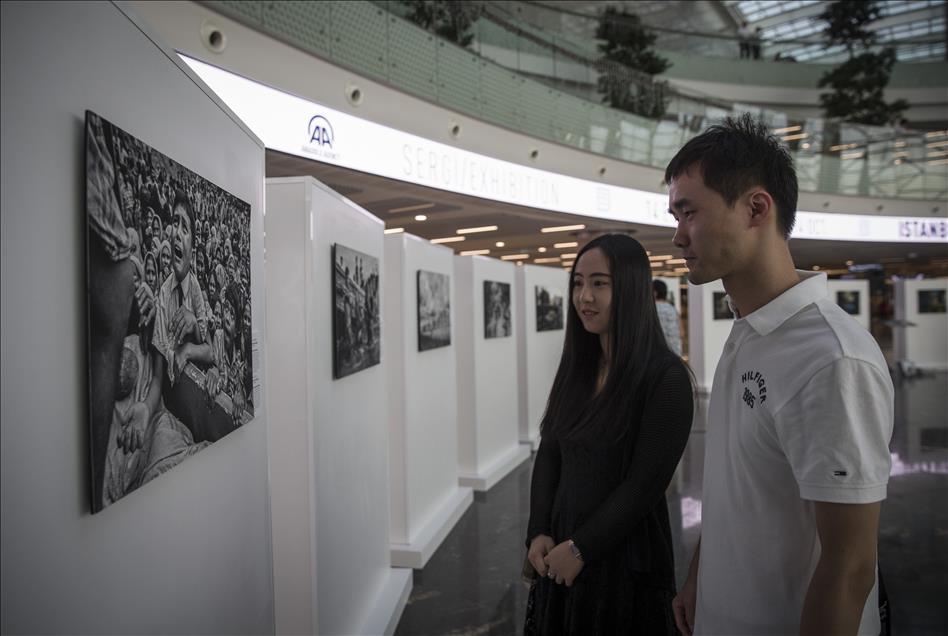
x,y
811,288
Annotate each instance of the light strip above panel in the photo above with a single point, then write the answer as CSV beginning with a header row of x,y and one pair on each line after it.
x,y
299,127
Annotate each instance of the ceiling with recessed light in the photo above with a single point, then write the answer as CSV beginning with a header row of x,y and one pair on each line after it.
x,y
520,229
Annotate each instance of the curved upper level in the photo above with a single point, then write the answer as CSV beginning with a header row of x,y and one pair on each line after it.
x,y
831,158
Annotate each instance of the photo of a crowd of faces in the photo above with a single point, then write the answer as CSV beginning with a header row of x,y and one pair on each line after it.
x,y
169,311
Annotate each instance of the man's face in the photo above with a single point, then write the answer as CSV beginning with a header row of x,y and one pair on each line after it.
x,y
182,243
710,233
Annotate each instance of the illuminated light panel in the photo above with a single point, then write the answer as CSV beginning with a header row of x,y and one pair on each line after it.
x,y
562,228
514,257
788,129
937,144
448,239
475,230
795,137
412,208
421,217
395,230
660,257
561,246
475,252
842,147
852,155
936,133
938,162
568,257
675,261
500,244
547,260
280,121
541,249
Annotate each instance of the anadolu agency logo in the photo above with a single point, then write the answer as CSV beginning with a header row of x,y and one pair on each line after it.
x,y
320,138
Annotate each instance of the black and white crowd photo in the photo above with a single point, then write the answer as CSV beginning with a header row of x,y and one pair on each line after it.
x,y
169,311
356,317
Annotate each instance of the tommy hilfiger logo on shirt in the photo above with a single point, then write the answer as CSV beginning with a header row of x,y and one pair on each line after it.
x,y
755,388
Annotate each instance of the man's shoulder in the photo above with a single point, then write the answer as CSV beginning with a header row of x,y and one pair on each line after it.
x,y
838,334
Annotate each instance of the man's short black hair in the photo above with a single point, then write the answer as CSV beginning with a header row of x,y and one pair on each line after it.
x,y
737,155
660,289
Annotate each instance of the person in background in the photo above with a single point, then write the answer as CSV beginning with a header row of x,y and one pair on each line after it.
x,y
744,35
667,316
800,416
616,423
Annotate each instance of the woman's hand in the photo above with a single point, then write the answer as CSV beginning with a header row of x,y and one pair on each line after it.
x,y
539,548
563,565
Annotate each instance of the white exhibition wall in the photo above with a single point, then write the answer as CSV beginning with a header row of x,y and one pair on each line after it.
x,y
706,334
488,409
426,499
538,351
190,551
852,296
921,329
330,437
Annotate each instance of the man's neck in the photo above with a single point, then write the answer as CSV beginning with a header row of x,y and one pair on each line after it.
x,y
756,285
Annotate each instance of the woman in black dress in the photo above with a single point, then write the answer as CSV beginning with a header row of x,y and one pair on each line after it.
x,y
616,423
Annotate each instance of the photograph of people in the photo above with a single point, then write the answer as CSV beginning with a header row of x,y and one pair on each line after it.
x,y
616,423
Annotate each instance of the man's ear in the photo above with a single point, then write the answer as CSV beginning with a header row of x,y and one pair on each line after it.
x,y
763,210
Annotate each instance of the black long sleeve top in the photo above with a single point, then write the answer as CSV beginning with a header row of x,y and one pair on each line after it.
x,y
609,498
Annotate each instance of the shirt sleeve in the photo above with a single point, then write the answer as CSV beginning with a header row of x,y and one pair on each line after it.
x,y
663,433
835,433
546,478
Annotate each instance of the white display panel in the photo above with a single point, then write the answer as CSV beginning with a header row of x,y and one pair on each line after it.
x,y
488,401
426,499
539,351
853,297
920,332
190,551
330,437
706,334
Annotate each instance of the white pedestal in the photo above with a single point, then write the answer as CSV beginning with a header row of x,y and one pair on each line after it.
x,y
538,352
920,331
488,400
329,438
706,333
426,500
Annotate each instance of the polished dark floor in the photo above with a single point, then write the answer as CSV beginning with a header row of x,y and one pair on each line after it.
x,y
471,585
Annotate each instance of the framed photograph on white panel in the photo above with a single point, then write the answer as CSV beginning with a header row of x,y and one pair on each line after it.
x,y
931,301
168,283
356,319
549,308
496,309
721,310
434,310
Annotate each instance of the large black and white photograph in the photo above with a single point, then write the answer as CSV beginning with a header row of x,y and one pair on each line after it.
x,y
356,319
496,309
168,283
434,310
721,310
848,300
549,309
931,301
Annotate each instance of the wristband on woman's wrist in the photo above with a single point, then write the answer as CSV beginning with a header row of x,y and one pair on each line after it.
x,y
575,550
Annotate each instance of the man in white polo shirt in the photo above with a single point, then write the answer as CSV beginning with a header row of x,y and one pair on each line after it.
x,y
800,416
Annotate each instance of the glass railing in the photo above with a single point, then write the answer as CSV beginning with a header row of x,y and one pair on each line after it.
x,y
376,43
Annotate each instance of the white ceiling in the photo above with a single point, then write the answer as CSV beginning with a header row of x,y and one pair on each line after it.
x,y
519,227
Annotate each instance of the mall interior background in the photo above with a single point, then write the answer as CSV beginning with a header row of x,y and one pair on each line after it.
x,y
392,499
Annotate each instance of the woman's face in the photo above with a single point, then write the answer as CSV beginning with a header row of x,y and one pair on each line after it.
x,y
229,321
592,291
151,276
165,257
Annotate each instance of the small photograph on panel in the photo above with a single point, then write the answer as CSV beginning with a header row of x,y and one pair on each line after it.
x,y
434,310
931,301
168,285
549,310
356,319
496,309
849,301
722,311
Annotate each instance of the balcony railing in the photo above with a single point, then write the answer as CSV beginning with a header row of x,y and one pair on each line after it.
x,y
372,41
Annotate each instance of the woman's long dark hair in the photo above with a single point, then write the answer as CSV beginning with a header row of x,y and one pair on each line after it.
x,y
638,350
